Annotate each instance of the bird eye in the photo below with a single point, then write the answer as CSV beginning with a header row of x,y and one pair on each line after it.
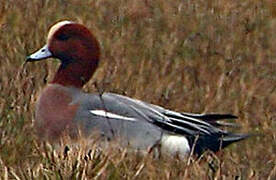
x,y
62,37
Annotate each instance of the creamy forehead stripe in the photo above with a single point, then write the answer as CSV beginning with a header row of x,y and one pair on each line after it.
x,y
55,27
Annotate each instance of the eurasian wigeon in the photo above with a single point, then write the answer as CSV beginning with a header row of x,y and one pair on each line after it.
x,y
63,106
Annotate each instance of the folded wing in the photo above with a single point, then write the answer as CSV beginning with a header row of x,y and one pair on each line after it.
x,y
204,131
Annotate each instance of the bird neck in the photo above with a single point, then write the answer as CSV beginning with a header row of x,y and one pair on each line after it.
x,y
76,73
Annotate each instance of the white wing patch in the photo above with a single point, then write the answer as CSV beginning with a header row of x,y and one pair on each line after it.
x,y
106,114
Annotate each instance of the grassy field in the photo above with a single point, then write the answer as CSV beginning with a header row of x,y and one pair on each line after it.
x,y
193,56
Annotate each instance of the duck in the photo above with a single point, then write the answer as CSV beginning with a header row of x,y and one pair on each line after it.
x,y
63,108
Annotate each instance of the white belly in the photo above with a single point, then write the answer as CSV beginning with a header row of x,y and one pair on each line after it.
x,y
174,144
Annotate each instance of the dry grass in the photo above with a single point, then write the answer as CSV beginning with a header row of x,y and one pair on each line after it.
x,y
195,56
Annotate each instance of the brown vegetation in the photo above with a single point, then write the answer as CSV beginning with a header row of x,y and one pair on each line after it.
x,y
194,56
